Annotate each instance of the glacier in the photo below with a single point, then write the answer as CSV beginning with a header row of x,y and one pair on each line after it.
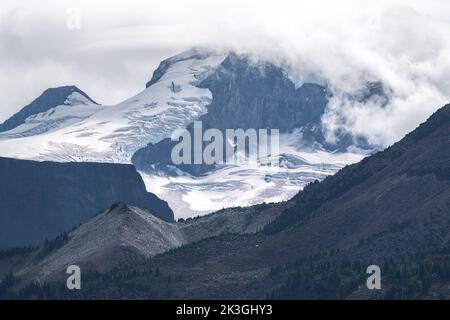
x,y
248,183
80,130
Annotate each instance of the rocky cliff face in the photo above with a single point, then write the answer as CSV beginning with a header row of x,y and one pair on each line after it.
x,y
260,95
39,200
245,95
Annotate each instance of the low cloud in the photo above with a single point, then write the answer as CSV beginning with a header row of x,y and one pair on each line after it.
x,y
403,44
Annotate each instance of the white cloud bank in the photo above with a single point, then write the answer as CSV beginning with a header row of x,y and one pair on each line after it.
x,y
404,44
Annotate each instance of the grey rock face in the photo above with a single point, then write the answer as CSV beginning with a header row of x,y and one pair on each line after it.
x,y
245,95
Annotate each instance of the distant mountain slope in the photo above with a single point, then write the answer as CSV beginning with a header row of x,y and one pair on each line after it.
x,y
49,99
39,200
391,210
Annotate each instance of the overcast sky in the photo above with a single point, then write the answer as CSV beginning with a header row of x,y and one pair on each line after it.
x,y
405,44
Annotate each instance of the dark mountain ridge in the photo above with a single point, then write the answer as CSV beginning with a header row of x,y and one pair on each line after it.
x,y
391,210
124,235
423,153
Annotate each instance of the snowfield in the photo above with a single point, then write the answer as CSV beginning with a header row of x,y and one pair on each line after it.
x,y
80,130
250,183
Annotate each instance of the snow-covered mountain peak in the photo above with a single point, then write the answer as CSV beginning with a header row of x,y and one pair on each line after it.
x,y
198,53
72,91
48,100
77,129
75,107
77,98
246,95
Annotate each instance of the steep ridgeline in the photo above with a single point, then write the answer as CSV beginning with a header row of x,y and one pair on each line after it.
x,y
246,95
390,210
39,200
49,99
407,180
124,235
